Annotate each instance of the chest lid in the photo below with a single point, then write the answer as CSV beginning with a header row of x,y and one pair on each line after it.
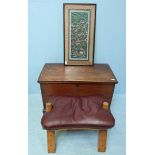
x,y
58,73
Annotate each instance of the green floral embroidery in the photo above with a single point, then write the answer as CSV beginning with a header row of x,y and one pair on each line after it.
x,y
79,35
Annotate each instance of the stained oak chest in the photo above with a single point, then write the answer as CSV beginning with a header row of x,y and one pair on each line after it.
x,y
60,80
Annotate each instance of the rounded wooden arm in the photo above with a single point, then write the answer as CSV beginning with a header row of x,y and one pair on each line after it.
x,y
48,106
105,105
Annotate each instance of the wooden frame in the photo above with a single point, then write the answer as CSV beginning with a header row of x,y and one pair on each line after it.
x,y
79,33
50,133
102,136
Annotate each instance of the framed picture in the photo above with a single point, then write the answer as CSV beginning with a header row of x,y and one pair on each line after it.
x,y
79,34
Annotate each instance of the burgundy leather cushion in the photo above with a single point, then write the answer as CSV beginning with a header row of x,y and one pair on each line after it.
x,y
77,112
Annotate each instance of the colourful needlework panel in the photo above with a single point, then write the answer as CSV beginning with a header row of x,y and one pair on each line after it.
x,y
79,33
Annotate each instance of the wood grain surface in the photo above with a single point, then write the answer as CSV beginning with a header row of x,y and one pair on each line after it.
x,y
99,73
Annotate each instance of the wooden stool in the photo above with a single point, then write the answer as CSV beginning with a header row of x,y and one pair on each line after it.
x,y
102,135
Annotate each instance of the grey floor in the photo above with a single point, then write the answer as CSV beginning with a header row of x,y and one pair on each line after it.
x,y
77,142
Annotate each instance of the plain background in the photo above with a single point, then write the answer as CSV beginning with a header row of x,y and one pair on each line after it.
x,y
46,37
46,46
14,75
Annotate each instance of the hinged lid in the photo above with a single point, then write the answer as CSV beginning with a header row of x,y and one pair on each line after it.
x,y
56,73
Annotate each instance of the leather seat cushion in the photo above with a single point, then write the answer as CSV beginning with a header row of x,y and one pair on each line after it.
x,y
77,112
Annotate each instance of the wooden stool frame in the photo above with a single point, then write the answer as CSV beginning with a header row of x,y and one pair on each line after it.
x,y
102,135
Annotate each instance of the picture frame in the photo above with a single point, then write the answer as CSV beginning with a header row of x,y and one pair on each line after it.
x,y
79,33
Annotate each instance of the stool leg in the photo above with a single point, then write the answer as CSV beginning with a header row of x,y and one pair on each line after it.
x,y
102,137
51,141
